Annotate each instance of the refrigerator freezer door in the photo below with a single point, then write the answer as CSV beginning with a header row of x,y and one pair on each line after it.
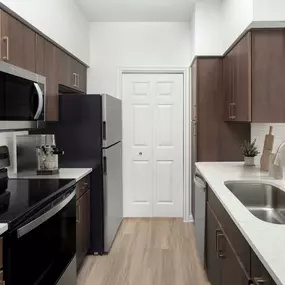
x,y
112,120
113,193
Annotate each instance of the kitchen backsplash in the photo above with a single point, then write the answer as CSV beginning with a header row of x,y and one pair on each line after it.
x,y
258,132
8,139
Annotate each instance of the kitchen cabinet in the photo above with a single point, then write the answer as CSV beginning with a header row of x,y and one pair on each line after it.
x,y
268,69
40,55
51,74
259,274
252,78
18,43
229,258
82,220
72,74
237,81
222,264
213,262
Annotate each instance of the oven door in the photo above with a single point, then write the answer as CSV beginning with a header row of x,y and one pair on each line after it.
x,y
21,95
42,251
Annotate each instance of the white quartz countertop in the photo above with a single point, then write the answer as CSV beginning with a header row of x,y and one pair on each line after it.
x,y
266,239
64,173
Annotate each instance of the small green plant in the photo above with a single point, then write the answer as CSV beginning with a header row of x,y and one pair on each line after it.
x,y
249,149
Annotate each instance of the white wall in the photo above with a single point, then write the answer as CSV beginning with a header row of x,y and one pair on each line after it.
x,y
237,15
208,28
258,132
61,20
116,45
268,10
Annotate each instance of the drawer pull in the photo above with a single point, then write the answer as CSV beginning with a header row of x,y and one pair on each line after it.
x,y
259,280
219,234
6,39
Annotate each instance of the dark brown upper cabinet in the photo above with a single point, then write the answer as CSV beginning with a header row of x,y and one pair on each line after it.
x,y
237,81
268,69
72,73
253,78
51,73
18,43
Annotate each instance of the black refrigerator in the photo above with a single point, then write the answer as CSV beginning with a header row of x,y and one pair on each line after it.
x,y
89,131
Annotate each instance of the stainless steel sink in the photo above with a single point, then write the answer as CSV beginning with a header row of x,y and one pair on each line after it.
x,y
264,201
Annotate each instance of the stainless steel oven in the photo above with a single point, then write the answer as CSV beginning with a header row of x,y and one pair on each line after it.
x,y
22,94
42,249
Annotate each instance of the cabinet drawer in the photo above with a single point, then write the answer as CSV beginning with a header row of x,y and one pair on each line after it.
x,y
236,238
82,186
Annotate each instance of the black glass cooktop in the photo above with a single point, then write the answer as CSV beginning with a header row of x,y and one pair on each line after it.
x,y
21,197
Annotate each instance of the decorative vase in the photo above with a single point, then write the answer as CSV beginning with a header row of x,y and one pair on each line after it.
x,y
249,161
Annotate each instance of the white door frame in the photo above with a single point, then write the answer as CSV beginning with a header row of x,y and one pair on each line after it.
x,y
186,120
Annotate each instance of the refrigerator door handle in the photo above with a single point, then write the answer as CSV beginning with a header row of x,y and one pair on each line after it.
x,y
105,164
104,130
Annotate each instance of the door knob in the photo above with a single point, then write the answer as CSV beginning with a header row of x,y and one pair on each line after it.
x,y
140,153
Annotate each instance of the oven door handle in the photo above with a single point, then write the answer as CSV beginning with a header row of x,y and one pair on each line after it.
x,y
44,217
40,100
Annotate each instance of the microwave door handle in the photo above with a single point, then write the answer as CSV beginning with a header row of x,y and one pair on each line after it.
x,y
44,217
40,100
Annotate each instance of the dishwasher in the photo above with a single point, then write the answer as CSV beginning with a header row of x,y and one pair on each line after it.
x,y
200,214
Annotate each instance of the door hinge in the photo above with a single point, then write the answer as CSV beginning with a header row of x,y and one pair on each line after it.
x,y
104,130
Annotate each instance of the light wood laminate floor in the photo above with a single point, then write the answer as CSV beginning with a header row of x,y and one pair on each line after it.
x,y
147,252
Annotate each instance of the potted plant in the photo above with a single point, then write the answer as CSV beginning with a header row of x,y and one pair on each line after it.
x,y
249,151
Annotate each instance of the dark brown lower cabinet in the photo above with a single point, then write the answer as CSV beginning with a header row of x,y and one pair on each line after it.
x,y
229,258
259,274
82,227
222,264
213,263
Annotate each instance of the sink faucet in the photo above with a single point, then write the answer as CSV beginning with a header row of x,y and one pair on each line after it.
x,y
277,162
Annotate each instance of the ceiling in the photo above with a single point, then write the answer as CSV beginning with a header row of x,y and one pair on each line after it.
x,y
137,10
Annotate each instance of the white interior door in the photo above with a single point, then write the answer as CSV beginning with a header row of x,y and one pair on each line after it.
x,y
153,145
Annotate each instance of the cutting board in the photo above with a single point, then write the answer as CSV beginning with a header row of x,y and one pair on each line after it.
x,y
267,150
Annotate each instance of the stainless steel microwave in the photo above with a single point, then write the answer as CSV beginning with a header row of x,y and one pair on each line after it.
x,y
22,94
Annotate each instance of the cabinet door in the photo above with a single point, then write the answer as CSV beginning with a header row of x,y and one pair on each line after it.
x,y
259,274
51,73
213,261
82,227
242,79
40,55
78,75
18,43
237,81
65,77
232,271
228,86
268,69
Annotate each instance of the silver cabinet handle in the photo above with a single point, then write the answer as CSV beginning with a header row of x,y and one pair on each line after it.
x,y
6,39
78,214
74,80
231,111
259,280
78,80
219,234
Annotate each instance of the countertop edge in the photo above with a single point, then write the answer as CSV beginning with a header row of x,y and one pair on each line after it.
x,y
3,228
